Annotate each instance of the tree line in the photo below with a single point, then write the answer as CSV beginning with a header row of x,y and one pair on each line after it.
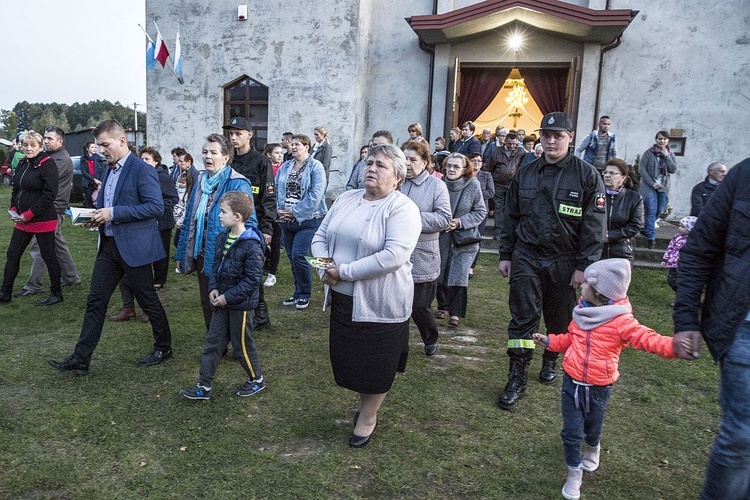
x,y
69,117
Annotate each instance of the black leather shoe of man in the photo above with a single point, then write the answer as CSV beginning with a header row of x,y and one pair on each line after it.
x,y
70,364
51,300
4,298
155,357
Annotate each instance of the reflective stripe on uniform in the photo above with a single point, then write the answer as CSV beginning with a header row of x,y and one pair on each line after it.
x,y
520,344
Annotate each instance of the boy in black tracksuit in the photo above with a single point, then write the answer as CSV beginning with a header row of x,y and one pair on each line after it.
x,y
233,284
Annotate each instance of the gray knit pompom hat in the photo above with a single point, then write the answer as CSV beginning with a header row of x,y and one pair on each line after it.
x,y
609,277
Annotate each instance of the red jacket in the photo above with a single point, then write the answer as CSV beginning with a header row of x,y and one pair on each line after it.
x,y
592,356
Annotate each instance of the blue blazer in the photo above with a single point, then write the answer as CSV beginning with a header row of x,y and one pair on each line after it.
x,y
137,205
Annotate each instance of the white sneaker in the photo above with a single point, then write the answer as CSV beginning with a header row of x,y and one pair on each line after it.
x,y
270,280
656,225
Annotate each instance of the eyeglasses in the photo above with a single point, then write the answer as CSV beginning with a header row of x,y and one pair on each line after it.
x,y
611,173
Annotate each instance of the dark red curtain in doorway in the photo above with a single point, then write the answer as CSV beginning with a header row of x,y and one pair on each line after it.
x,y
479,86
547,86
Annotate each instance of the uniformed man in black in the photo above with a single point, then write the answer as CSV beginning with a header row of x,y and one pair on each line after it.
x,y
554,228
256,167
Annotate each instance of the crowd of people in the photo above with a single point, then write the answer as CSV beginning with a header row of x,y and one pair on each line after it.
x,y
406,232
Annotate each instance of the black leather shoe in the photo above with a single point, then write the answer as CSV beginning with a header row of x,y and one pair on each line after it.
x,y
260,322
548,373
4,298
155,357
70,364
651,243
361,441
53,298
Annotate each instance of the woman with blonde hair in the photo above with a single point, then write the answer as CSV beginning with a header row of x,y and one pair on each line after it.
x,y
322,149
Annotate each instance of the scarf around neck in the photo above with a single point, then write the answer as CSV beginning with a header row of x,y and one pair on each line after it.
x,y
208,187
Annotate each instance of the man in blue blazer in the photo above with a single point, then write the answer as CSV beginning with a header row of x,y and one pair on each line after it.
x,y
128,206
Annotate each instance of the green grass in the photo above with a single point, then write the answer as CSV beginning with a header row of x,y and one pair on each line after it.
x,y
123,431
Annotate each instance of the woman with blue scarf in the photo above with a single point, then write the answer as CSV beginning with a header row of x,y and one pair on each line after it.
x,y
195,250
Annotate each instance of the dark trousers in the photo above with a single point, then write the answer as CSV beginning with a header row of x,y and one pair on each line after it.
x,y
109,268
672,278
88,192
203,291
229,326
272,262
161,267
19,240
538,286
453,299
482,226
421,311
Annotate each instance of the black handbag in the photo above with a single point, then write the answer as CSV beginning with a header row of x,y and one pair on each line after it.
x,y
468,236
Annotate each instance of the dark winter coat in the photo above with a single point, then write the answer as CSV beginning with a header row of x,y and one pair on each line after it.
x,y
35,188
624,220
170,196
257,168
716,258
237,274
700,195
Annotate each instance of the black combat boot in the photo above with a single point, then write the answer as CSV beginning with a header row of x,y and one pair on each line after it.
x,y
548,374
515,389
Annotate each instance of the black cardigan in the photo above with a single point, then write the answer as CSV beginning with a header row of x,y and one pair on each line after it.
x,y
35,187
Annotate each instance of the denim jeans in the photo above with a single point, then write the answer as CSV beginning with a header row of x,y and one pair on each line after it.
x,y
297,239
728,470
583,410
654,204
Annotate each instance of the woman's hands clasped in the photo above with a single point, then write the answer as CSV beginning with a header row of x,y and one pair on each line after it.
x,y
331,275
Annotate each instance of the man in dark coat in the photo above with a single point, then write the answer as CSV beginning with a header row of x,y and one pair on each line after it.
x,y
716,259
703,190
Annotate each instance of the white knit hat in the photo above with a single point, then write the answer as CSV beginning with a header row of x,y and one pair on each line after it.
x,y
609,277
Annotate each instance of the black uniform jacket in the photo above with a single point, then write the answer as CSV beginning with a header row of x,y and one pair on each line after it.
x,y
257,168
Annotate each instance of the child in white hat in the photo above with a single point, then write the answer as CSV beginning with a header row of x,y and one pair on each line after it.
x,y
603,325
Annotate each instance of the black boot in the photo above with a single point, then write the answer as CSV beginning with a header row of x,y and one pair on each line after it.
x,y
260,317
548,374
515,389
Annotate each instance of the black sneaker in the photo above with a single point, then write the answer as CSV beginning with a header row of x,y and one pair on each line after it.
x,y
155,357
197,392
303,303
25,292
251,387
289,302
70,363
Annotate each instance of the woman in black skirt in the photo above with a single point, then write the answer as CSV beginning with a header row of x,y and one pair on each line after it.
x,y
369,235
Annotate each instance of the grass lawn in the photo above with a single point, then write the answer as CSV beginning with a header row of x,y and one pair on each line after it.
x,y
123,431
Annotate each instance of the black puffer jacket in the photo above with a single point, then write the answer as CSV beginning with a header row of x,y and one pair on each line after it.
x,y
624,220
556,212
716,258
35,188
237,274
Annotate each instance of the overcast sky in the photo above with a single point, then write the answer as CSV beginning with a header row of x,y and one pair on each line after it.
x,y
73,50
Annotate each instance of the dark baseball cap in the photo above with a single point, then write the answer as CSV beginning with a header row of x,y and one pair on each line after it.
x,y
557,121
239,123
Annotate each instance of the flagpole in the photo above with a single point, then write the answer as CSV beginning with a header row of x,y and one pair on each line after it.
x,y
144,32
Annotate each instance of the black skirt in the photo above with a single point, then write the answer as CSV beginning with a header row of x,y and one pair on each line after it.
x,y
365,356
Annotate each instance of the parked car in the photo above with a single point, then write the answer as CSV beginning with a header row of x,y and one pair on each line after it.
x,y
6,174
76,194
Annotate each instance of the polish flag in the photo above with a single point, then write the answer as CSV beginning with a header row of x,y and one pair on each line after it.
x,y
161,52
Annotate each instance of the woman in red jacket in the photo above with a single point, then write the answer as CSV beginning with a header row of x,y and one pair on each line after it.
x,y
32,208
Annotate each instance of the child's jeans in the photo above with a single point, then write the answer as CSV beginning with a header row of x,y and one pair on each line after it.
x,y
583,409
227,327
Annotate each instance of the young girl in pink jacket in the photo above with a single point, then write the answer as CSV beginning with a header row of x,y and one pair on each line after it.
x,y
603,325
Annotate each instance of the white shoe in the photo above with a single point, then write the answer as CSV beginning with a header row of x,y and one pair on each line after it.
x,y
590,459
270,280
656,225
572,488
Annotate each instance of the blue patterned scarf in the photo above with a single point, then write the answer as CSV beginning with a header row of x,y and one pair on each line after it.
x,y
209,183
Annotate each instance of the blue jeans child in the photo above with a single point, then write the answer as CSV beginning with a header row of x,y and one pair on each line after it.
x,y
583,410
